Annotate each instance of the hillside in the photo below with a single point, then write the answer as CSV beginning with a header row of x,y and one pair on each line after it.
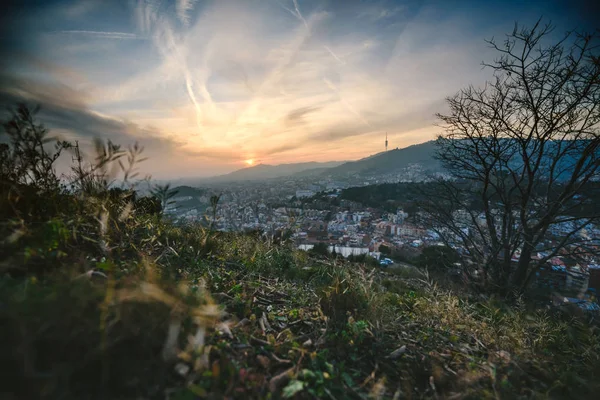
x,y
387,196
101,297
192,314
390,161
265,171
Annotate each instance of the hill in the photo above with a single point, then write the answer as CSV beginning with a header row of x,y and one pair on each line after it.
x,y
266,171
181,310
391,161
103,298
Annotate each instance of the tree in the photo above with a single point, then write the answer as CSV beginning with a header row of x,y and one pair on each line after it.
x,y
521,150
385,250
438,257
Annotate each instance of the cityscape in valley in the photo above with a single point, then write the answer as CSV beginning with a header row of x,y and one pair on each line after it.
x,y
335,206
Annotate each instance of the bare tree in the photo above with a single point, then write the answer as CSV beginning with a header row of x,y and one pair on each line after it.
x,y
521,151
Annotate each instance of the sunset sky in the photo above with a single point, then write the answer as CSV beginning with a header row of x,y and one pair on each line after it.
x,y
207,86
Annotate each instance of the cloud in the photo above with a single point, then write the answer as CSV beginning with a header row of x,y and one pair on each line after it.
x,y
376,13
399,124
184,7
296,116
214,154
295,11
104,35
64,109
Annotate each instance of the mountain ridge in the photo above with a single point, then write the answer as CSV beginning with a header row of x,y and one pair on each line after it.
x,y
268,171
379,163
390,161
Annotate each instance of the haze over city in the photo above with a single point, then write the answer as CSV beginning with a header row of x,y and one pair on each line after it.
x,y
209,87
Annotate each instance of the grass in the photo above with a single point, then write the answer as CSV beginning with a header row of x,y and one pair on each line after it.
x,y
278,323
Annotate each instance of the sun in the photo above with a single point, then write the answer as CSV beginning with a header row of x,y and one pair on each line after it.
x,y
249,162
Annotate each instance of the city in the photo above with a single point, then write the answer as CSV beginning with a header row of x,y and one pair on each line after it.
x,y
316,210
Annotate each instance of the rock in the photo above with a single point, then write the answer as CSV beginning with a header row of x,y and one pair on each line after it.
x,y
223,328
504,356
397,353
243,322
182,369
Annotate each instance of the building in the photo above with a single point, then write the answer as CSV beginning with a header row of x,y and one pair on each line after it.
x,y
410,230
317,230
303,193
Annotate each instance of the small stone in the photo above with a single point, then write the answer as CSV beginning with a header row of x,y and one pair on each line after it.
x,y
397,353
182,369
243,322
504,356
223,328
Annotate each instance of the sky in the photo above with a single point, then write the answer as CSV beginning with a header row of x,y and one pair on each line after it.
x,y
208,87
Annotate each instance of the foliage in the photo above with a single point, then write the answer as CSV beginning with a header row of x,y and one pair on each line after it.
x,y
438,257
321,249
164,194
385,250
26,158
363,259
387,196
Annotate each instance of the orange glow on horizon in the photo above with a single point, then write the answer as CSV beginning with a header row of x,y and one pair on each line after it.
x,y
249,162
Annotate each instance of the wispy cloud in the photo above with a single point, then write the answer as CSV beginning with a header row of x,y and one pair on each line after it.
x,y
334,55
295,11
375,12
184,8
104,35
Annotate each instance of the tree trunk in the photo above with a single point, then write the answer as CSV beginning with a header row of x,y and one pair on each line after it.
x,y
523,266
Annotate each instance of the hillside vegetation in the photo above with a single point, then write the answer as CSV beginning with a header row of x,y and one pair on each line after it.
x,y
101,297
391,161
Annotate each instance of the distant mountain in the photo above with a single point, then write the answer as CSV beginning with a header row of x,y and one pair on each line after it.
x,y
389,161
265,171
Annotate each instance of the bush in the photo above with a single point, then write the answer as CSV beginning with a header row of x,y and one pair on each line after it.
x,y
438,258
321,249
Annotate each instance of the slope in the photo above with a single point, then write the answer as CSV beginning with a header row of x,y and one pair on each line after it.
x,y
389,161
265,171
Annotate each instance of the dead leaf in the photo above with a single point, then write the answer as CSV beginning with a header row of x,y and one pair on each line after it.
x,y
263,361
278,381
223,328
